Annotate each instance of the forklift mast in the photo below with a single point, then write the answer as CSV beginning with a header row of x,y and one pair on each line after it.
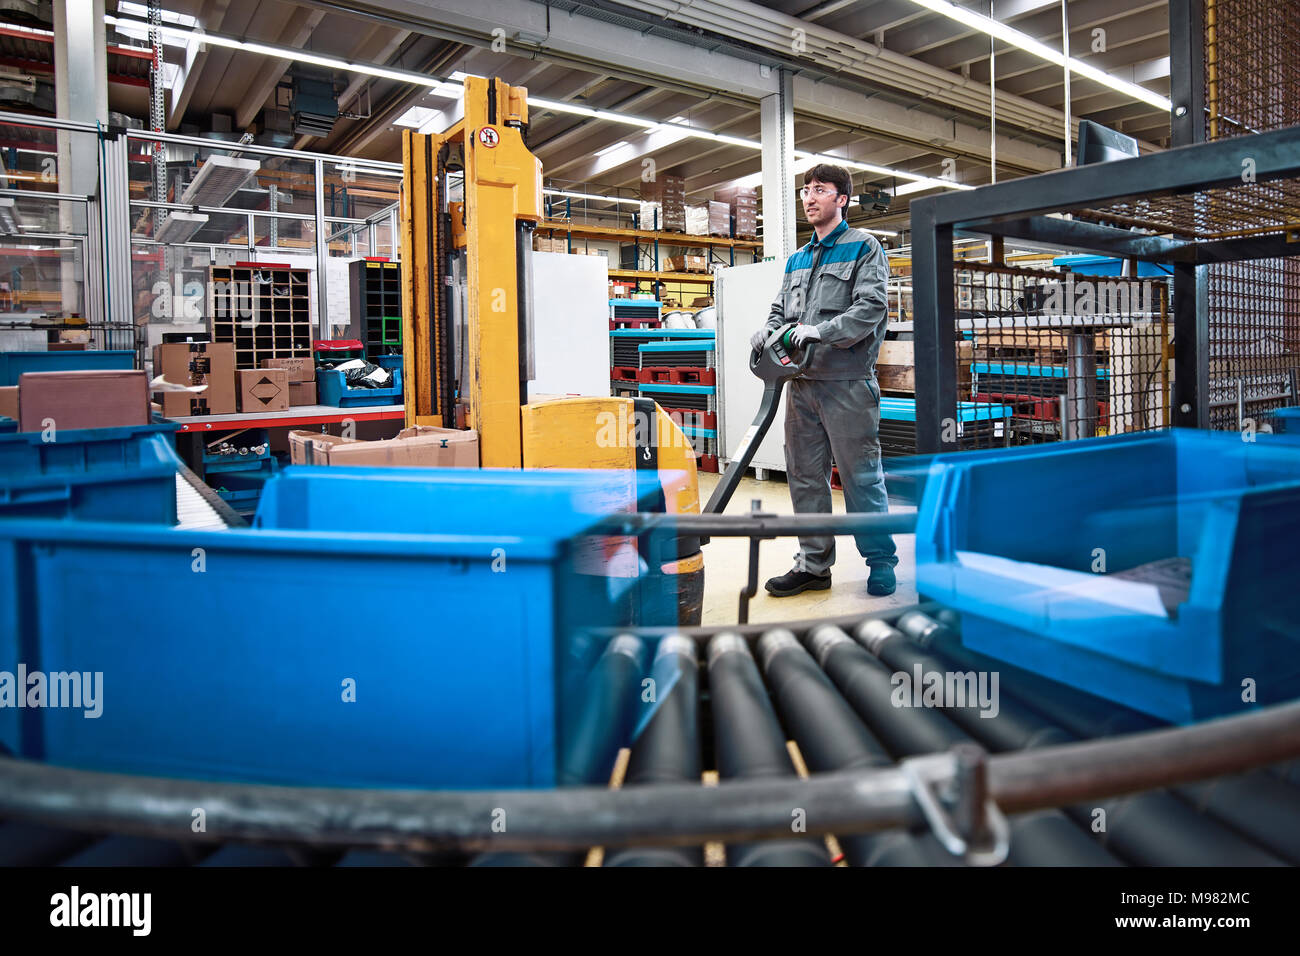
x,y
502,206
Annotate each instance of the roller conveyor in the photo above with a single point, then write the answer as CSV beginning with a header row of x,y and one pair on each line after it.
x,y
729,701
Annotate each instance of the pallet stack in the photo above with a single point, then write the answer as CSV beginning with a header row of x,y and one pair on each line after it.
x,y
681,375
664,201
635,313
742,210
676,368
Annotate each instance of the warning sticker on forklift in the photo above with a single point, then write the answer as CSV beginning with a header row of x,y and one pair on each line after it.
x,y
489,137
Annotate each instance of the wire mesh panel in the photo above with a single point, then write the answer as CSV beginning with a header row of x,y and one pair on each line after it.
x,y
1254,329
1252,84
1048,355
1252,72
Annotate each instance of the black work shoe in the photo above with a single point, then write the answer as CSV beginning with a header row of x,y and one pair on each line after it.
x,y
881,581
796,582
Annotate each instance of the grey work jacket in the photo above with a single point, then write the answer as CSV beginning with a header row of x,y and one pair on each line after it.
x,y
846,300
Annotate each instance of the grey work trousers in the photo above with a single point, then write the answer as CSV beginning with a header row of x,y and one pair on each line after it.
x,y
840,419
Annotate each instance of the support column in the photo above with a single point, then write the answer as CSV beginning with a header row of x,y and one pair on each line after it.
x,y
1191,346
1187,71
935,329
776,113
81,95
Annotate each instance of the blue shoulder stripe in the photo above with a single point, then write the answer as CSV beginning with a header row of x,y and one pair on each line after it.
x,y
843,251
800,260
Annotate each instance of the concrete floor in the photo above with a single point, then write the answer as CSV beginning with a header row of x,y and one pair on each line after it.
x,y
726,564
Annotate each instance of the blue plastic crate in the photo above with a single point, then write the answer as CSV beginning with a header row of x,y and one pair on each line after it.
x,y
1040,547
1110,266
333,390
7,425
391,362
14,364
243,489
1287,421
93,474
446,600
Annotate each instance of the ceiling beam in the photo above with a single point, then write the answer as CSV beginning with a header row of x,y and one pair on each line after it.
x,y
196,58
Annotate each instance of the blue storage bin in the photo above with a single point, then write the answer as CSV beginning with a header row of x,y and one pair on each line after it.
x,y
93,474
1015,539
1110,266
14,364
391,362
242,488
333,390
445,600
7,425
1286,421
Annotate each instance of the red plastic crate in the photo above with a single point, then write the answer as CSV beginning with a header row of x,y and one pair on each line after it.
x,y
626,323
677,375
708,463
624,373
1038,407
693,417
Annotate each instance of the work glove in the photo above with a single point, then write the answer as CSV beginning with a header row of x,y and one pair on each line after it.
x,y
804,334
757,339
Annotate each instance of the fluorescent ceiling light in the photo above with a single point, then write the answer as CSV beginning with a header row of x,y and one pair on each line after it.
x,y
573,195
1023,41
879,232
917,188
609,149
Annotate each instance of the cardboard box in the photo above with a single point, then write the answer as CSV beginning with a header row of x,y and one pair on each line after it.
x,y
263,389
186,405
719,214
301,368
103,398
302,393
9,402
686,264
197,363
736,194
420,447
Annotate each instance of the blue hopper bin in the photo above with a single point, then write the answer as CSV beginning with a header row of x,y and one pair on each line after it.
x,y
1157,569
333,390
376,628
93,474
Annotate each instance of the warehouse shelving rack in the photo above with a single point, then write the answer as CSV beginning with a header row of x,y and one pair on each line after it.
x,y
263,309
376,288
652,238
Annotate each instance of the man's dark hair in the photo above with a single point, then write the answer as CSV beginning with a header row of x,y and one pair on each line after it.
x,y
837,176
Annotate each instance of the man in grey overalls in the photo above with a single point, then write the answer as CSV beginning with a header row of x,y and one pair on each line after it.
x,y
834,287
